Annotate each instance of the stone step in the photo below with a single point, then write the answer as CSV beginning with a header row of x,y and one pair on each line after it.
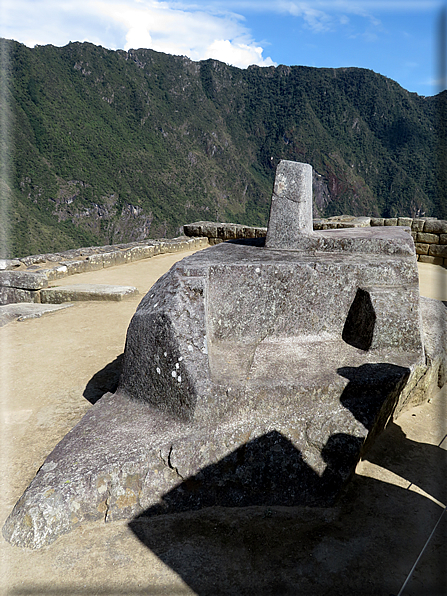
x,y
25,310
84,292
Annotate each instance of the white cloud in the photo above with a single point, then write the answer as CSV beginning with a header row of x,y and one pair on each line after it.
x,y
237,54
315,19
196,34
55,22
162,26
361,6
138,37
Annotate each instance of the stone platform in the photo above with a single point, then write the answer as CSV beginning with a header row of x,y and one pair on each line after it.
x,y
253,375
23,311
82,292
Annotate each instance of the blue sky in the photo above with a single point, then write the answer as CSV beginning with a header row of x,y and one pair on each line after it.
x,y
396,38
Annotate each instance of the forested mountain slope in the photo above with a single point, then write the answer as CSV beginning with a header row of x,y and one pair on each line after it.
x,y
112,146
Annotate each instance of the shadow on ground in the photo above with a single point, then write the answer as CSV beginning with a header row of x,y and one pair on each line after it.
x,y
104,381
366,544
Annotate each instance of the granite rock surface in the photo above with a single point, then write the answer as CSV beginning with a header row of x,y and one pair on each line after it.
x,y
252,375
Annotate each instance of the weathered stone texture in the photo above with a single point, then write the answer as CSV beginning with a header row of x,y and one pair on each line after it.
x,y
418,225
25,280
427,238
250,297
438,250
430,259
219,232
23,311
252,376
77,266
76,292
13,295
126,457
421,248
291,206
55,272
166,346
8,264
428,377
436,226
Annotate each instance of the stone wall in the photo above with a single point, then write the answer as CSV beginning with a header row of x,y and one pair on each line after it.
x,y
22,279
219,232
429,234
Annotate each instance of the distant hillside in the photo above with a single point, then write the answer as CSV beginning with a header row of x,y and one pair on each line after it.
x,y
113,146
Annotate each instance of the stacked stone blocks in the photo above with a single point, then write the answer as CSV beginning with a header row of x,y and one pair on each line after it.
x,y
23,280
429,234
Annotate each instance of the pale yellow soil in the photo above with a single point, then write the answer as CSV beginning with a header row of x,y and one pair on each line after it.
x,y
46,365
432,281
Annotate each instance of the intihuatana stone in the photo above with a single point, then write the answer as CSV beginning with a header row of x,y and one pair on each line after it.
x,y
252,375
290,224
203,327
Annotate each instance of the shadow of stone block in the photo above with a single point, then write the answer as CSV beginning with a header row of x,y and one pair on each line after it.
x,y
104,381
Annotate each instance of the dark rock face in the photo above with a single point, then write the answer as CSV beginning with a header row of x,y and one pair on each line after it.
x,y
251,376
360,322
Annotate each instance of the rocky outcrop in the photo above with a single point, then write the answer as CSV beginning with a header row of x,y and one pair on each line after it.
x,y
252,375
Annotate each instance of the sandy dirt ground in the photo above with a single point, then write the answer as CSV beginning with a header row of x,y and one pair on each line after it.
x,y
366,545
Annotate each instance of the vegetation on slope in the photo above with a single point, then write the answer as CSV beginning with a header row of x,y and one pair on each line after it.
x,y
112,146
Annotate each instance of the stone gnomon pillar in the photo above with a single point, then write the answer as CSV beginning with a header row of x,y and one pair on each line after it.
x,y
253,375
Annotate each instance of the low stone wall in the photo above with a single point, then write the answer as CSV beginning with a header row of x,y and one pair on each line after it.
x,y
21,280
429,234
219,232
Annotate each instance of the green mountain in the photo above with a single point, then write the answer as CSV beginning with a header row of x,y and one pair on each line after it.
x,y
104,146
